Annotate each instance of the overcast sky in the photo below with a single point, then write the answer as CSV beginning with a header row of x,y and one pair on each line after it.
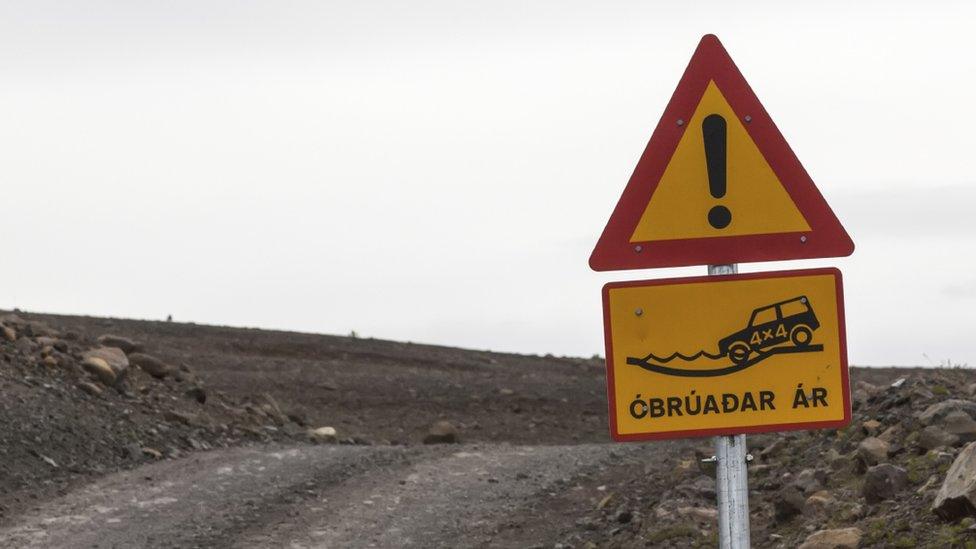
x,y
440,171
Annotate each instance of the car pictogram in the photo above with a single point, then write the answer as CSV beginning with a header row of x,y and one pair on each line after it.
x,y
792,321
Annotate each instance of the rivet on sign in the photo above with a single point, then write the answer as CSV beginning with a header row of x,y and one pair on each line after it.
x,y
639,311
638,248
803,238
748,118
681,122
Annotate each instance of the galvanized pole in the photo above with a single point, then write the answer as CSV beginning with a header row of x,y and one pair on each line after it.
x,y
731,481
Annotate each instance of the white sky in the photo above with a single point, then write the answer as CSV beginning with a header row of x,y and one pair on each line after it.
x,y
439,171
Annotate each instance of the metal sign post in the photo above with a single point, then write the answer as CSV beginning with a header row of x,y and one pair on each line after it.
x,y
731,478
700,356
732,488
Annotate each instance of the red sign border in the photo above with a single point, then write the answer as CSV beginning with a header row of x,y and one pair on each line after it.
x,y
826,238
841,325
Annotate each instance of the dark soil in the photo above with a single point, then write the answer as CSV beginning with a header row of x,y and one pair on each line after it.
x,y
371,391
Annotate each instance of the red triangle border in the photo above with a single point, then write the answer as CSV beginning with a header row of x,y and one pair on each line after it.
x,y
826,238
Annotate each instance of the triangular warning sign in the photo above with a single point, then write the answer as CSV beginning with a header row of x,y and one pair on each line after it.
x,y
717,184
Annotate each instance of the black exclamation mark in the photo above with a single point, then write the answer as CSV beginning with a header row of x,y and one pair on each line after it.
x,y
713,130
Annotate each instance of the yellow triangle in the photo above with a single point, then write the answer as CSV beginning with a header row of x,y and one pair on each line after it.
x,y
679,207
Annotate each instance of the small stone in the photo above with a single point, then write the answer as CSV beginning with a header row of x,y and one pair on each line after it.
x,y
835,459
810,480
89,388
134,451
442,432
883,482
9,334
684,467
872,451
24,345
197,393
623,516
185,418
322,435
776,447
892,434
701,514
840,538
50,361
788,503
871,427
150,364
100,369
152,452
820,501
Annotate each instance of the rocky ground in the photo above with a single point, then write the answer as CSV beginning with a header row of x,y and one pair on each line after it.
x,y
87,399
903,474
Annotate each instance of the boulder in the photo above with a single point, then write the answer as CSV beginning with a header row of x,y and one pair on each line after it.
x,y
960,424
442,432
957,496
872,451
883,482
322,435
934,436
839,538
127,345
99,369
150,364
113,356
938,411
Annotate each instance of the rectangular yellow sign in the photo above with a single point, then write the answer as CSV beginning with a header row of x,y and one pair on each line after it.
x,y
719,355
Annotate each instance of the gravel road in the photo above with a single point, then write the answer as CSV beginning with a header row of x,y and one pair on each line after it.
x,y
324,496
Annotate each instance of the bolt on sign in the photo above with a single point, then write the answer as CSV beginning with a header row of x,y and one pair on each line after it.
x,y
717,184
722,355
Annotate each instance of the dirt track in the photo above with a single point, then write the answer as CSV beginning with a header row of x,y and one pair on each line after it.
x,y
330,496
